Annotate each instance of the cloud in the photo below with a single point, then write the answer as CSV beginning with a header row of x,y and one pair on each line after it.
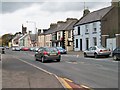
x,y
10,7
43,13
71,6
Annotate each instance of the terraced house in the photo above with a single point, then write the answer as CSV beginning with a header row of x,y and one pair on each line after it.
x,y
101,27
59,34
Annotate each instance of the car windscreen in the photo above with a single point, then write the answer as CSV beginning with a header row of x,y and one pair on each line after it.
x,y
101,47
51,49
59,48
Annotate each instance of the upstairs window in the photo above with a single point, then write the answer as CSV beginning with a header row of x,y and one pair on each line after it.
x,y
69,34
78,30
94,27
86,29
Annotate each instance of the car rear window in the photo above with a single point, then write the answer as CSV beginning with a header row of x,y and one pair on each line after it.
x,y
51,49
60,48
101,47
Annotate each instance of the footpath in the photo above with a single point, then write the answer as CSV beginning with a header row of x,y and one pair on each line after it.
x,y
19,75
75,53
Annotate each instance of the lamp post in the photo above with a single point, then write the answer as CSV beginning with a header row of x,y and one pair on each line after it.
x,y
35,29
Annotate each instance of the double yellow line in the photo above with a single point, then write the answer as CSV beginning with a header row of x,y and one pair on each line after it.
x,y
68,87
65,84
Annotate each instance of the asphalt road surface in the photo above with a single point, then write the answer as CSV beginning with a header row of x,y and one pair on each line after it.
x,y
94,73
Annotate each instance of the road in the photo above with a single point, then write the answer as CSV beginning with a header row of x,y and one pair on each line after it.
x,y
94,73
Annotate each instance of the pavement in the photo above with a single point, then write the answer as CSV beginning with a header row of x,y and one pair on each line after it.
x,y
77,53
17,74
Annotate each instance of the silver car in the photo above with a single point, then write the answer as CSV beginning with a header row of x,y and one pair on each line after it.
x,y
97,51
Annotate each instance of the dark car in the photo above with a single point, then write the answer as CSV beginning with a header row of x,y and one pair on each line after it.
x,y
47,53
62,50
116,54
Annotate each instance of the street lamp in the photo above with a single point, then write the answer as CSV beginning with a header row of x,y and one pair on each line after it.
x,y
35,29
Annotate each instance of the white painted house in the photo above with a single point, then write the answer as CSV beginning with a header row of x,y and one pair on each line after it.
x,y
87,31
87,35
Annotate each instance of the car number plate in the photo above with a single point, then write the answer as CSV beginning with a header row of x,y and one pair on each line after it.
x,y
52,53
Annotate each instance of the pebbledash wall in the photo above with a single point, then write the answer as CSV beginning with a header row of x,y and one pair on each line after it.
x,y
87,35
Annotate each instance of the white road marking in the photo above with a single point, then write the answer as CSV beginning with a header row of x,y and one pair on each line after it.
x,y
34,66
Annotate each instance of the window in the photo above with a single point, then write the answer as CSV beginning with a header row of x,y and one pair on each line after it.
x,y
94,41
78,30
86,28
69,43
76,43
69,34
58,35
94,27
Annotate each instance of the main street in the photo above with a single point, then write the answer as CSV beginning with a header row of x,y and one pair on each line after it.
x,y
94,73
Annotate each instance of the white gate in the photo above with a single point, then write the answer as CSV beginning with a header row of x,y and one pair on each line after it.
x,y
111,43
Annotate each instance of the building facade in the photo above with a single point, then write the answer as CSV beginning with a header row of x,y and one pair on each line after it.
x,y
97,27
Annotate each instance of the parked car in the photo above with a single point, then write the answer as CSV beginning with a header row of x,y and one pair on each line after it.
x,y
97,51
62,50
6,47
47,53
16,48
25,49
116,54
31,48
35,49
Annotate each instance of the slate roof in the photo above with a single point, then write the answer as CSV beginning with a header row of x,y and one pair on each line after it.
x,y
70,25
94,16
50,30
60,27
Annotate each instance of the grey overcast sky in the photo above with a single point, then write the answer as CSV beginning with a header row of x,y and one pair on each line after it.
x,y
14,13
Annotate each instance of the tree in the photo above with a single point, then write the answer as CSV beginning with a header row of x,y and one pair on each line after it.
x,y
6,38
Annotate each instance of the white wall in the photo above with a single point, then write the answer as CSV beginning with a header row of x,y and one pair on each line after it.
x,y
90,36
111,43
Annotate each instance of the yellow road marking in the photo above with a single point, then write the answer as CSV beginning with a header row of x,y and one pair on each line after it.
x,y
66,84
68,80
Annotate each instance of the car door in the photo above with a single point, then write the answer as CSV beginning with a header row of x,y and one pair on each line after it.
x,y
40,50
89,51
93,51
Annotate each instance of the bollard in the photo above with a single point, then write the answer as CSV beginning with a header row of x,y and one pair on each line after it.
x,y
3,51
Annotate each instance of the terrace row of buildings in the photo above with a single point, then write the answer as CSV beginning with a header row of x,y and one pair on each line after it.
x,y
101,27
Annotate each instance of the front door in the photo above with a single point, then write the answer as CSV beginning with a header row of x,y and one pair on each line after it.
x,y
80,44
87,43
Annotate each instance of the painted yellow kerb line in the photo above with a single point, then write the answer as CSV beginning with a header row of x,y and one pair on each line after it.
x,y
66,84
68,80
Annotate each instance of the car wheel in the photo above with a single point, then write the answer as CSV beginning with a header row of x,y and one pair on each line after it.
x,y
85,55
95,55
114,57
42,60
58,60
36,59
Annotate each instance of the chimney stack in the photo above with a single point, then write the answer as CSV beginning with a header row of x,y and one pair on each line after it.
x,y
85,12
53,25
